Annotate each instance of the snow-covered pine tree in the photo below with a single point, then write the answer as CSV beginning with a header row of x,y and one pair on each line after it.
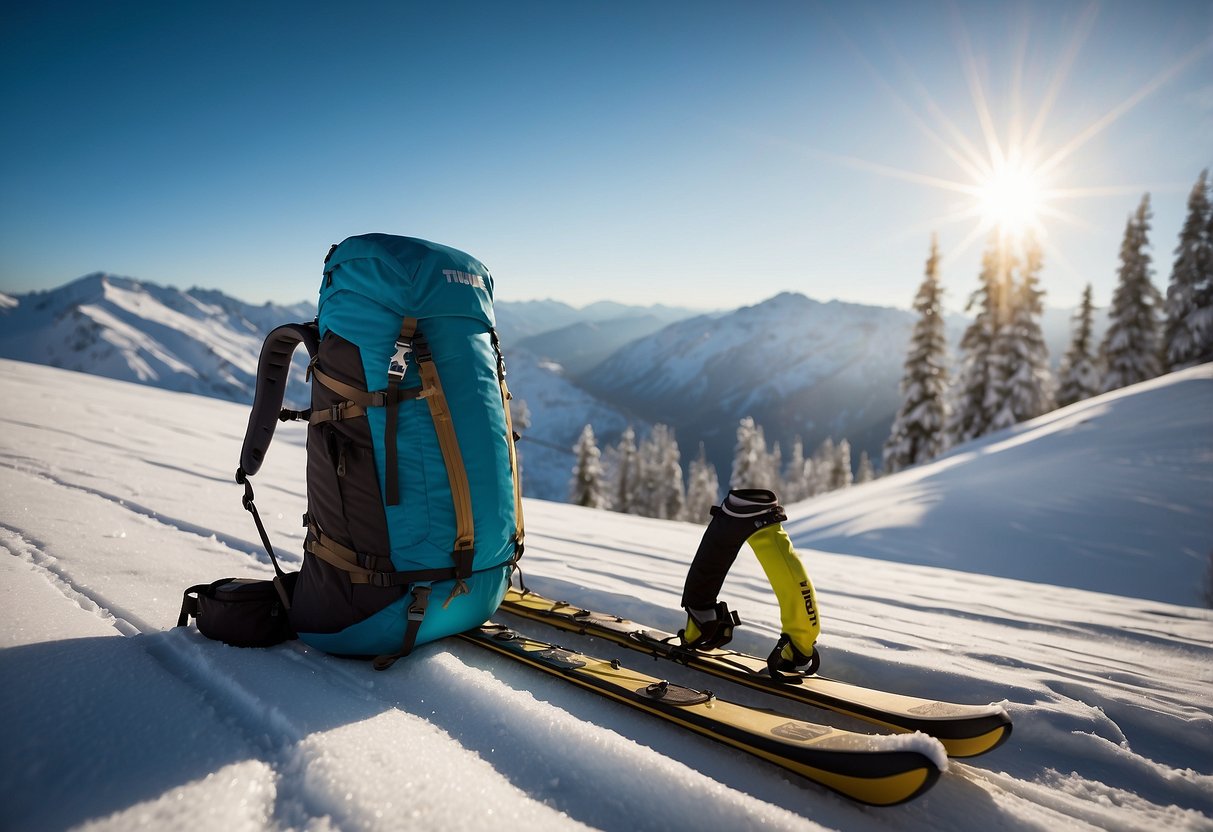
x,y
775,470
703,489
1130,348
795,475
659,489
1189,331
661,492
917,433
586,487
671,494
843,475
1078,377
625,463
1027,382
970,388
825,459
997,409
866,472
750,468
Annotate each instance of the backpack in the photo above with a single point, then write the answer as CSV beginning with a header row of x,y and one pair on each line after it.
x,y
414,510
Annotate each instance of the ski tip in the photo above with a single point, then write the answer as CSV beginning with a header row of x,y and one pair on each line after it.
x,y
997,731
889,790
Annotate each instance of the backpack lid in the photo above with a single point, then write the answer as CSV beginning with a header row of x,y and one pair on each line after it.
x,y
411,277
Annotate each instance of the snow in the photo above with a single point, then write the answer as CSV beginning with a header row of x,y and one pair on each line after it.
x,y
114,498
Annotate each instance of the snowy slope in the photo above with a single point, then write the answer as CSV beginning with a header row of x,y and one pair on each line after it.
x,y
1006,505
112,504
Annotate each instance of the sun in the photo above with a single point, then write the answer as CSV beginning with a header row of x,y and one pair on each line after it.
x,y
1012,198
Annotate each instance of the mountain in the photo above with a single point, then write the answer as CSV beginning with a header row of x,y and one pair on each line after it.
x,y
798,366
114,719
518,320
581,346
196,341
203,341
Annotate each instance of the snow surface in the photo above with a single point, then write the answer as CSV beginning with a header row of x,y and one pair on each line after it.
x,y
114,498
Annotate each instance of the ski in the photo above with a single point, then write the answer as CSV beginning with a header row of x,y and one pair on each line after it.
x,y
880,770
964,730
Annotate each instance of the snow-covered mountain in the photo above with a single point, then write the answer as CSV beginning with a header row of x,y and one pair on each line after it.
x,y
798,366
579,347
195,341
203,341
518,320
113,719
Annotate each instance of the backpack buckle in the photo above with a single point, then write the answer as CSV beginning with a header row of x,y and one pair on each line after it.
x,y
421,599
398,364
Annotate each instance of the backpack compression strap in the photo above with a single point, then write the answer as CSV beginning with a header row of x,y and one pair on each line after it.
x,y
412,342
448,442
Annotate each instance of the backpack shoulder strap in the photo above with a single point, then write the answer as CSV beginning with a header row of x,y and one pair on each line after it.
x,y
273,368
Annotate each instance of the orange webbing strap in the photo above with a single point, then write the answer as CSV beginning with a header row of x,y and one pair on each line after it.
x,y
357,399
356,395
340,557
346,559
461,492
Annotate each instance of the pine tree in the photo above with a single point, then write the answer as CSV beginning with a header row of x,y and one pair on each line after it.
x,y
998,412
1189,330
843,475
774,478
703,489
917,433
866,472
1130,349
586,488
1078,378
671,500
795,476
750,466
625,473
825,460
659,490
971,389
1028,383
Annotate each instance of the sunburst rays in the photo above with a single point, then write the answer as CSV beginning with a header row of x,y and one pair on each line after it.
x,y
1011,181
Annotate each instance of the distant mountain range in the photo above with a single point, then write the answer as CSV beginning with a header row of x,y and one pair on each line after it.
x,y
798,366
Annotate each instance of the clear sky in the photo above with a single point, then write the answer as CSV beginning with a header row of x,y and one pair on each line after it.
x,y
700,153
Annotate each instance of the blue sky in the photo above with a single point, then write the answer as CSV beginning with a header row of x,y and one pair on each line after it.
x,y
703,154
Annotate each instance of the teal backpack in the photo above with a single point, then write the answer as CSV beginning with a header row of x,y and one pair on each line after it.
x,y
414,510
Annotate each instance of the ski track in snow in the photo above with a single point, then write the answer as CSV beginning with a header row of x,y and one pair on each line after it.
x,y
1109,695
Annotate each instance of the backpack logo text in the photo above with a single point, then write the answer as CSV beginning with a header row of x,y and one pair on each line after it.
x,y
453,276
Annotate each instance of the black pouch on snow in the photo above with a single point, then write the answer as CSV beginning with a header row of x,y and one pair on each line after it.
x,y
242,612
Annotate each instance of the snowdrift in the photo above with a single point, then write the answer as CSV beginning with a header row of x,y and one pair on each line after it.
x,y
115,497
1113,494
